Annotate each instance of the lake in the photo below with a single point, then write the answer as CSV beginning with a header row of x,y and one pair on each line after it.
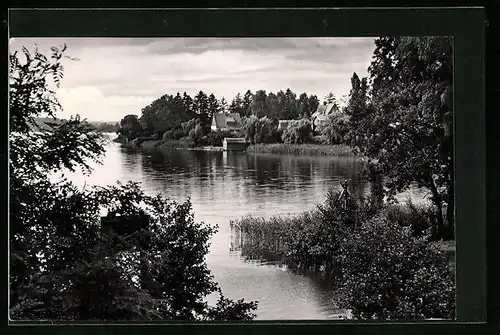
x,y
224,186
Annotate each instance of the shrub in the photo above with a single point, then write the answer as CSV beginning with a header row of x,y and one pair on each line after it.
x,y
387,273
63,265
297,132
420,218
186,142
196,135
258,130
335,129
173,134
214,138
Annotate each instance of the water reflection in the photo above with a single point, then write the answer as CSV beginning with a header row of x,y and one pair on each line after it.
x,y
224,186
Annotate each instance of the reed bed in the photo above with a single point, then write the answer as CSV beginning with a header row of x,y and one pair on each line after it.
x,y
302,149
299,242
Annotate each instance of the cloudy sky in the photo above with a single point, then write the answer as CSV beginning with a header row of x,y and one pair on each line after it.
x,y
117,76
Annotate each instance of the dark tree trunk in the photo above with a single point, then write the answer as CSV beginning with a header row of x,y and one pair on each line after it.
x,y
436,199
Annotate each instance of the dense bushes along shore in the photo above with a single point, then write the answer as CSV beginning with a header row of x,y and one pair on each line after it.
x,y
378,256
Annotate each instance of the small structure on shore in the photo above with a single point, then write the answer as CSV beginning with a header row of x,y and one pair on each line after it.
x,y
283,124
234,144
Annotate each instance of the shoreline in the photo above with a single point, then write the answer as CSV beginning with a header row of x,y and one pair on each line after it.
x,y
318,150
302,149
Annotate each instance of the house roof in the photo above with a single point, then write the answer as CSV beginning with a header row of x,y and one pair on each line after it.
x,y
232,120
324,110
220,120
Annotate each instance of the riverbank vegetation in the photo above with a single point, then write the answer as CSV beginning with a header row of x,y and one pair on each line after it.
x,y
378,257
63,265
383,255
302,149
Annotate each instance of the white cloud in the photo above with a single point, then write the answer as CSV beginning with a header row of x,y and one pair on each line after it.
x,y
115,77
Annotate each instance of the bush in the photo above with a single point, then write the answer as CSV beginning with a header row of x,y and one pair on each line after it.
x,y
63,265
419,218
335,129
196,135
186,142
258,130
319,139
214,138
173,134
297,132
387,273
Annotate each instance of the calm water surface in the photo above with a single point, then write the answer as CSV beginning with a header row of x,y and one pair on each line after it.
x,y
226,186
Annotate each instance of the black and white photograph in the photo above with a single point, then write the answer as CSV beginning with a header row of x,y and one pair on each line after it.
x,y
231,179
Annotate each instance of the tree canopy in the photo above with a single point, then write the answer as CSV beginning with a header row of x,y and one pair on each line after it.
x,y
405,120
63,266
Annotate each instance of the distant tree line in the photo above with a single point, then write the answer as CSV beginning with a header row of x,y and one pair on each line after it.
x,y
174,116
400,117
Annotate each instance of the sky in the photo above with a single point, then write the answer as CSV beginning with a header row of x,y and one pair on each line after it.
x,y
113,77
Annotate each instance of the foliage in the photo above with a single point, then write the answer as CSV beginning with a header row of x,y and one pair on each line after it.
x,y
297,132
381,269
357,109
308,242
166,113
215,138
389,274
62,265
302,149
196,134
258,130
420,218
335,129
174,134
130,127
407,123
188,125
259,106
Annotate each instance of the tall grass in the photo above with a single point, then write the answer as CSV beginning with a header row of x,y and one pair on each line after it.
x,y
302,149
378,257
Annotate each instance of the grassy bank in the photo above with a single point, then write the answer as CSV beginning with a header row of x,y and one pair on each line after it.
x,y
175,145
377,257
302,149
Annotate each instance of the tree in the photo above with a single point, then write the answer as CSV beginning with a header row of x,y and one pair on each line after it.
x,y
357,106
313,104
188,105
223,107
62,265
336,128
163,114
258,106
200,105
258,130
290,105
303,106
272,106
196,134
236,105
130,126
330,99
297,132
247,102
408,124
